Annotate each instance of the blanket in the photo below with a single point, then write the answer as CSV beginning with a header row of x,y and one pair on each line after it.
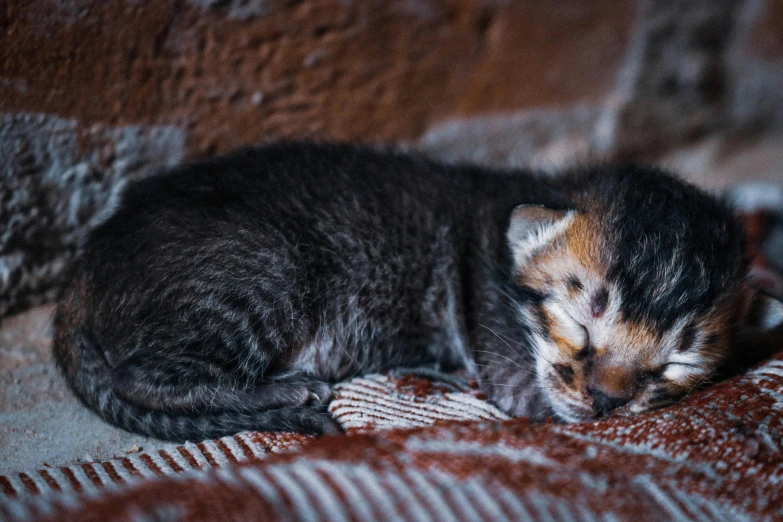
x,y
718,455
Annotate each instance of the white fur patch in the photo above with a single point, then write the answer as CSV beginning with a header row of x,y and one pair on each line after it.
x,y
535,239
679,372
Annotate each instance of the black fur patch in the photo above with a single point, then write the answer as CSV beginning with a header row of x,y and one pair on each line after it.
x,y
535,300
687,338
599,302
565,372
672,249
711,340
655,375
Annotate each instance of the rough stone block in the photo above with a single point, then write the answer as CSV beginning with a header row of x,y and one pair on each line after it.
x,y
673,88
766,39
543,138
756,68
242,71
57,180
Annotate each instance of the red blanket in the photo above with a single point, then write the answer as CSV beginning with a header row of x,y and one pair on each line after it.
x,y
716,456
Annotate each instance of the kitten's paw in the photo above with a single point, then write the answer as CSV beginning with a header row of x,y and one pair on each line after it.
x,y
318,394
313,421
325,425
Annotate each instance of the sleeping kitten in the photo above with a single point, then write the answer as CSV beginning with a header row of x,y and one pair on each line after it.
x,y
229,294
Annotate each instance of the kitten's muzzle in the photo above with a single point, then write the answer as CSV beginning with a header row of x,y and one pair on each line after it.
x,y
604,403
610,385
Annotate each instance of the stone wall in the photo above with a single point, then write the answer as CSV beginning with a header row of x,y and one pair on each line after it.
x,y
94,92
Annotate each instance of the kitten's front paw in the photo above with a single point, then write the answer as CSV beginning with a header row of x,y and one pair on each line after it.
x,y
325,425
318,394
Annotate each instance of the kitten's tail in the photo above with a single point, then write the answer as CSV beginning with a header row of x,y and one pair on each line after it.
x,y
90,376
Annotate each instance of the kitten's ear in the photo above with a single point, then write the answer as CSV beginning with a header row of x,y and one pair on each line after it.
x,y
531,228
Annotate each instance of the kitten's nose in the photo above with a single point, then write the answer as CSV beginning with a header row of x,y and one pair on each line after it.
x,y
604,403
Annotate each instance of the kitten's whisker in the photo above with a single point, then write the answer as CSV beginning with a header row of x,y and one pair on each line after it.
x,y
515,363
704,378
502,338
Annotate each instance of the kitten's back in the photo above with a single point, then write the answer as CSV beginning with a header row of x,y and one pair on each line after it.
x,y
223,295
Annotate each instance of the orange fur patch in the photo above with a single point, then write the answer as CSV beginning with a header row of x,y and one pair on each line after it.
x,y
583,242
637,335
615,380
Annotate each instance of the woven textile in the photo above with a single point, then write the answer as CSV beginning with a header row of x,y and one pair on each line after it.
x,y
716,456
372,402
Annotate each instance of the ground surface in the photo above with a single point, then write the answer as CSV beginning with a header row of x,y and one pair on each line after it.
x,y
41,422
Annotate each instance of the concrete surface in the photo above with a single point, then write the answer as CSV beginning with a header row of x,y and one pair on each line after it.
x,y
41,423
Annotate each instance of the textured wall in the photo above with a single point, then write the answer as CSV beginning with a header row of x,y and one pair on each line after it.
x,y
95,92
234,72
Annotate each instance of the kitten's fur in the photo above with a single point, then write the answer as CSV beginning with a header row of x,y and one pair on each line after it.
x,y
227,295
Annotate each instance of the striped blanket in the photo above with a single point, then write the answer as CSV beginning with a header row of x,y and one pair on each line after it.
x,y
716,456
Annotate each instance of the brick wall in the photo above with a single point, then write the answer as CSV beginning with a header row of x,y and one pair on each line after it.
x,y
95,92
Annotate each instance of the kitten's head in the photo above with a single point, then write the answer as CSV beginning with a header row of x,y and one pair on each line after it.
x,y
635,293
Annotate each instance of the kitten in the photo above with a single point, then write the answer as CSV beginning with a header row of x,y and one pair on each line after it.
x,y
228,295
